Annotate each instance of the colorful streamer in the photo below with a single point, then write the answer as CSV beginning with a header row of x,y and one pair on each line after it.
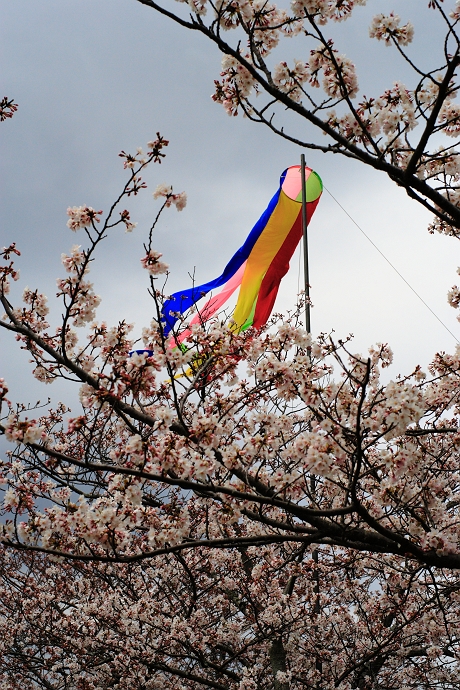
x,y
258,267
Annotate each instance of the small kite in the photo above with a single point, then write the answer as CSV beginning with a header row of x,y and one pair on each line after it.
x,y
259,265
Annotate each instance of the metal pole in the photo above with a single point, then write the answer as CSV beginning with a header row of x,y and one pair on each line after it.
x,y
315,555
305,244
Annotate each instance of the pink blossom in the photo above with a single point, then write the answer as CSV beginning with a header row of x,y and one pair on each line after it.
x,y
82,217
7,108
455,14
450,118
387,28
125,217
153,264
179,200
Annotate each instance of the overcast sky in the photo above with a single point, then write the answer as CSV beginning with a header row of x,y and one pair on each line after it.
x,y
92,77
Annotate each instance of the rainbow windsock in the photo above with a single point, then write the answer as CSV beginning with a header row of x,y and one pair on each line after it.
x,y
259,265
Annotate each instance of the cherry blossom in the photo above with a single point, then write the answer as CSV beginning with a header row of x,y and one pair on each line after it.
x,y
7,108
387,28
166,191
125,217
289,80
82,217
153,264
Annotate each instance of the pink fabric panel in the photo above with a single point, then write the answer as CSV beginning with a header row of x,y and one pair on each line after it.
x,y
212,305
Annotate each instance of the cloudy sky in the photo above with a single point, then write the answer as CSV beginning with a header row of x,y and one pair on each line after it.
x,y
93,77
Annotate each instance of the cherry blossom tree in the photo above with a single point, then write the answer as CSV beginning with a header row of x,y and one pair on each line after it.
x,y
232,510
237,619
216,442
254,438
405,132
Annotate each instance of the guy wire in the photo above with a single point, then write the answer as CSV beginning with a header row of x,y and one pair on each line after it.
x,y
392,266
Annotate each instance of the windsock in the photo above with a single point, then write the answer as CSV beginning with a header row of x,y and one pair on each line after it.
x,y
259,265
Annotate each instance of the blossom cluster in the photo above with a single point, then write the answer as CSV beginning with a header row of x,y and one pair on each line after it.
x,y
8,271
154,153
338,72
325,10
339,75
166,191
125,217
289,80
82,217
151,262
449,118
77,291
236,86
387,28
24,431
7,108
392,114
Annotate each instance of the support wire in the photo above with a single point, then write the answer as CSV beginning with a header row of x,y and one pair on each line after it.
x,y
392,266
